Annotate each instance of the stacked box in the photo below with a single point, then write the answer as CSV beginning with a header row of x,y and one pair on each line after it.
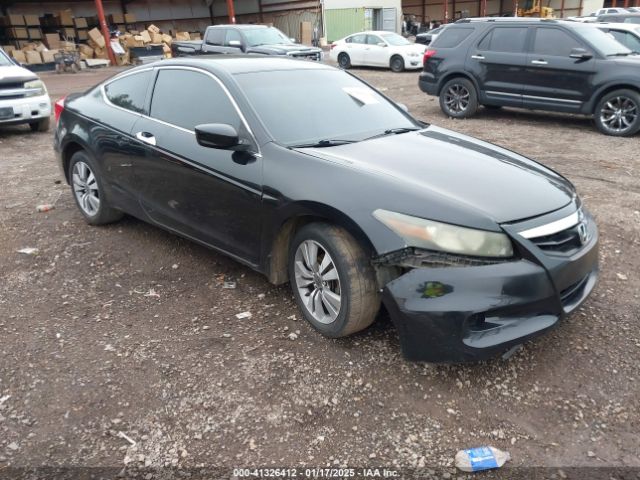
x,y
52,41
12,21
31,20
64,18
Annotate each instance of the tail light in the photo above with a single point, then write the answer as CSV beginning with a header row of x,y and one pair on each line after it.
x,y
333,45
58,108
427,55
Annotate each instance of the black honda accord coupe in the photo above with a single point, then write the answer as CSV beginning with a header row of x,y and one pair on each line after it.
x,y
307,174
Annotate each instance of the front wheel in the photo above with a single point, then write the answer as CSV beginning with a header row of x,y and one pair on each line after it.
x,y
458,98
344,61
618,113
397,64
333,281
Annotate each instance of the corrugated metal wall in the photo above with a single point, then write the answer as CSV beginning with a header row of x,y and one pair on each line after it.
x,y
341,22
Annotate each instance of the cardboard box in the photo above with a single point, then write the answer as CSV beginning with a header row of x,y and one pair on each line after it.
x,y
96,36
153,29
146,38
8,49
166,39
32,20
18,33
68,32
65,18
19,56
68,46
83,35
100,53
35,33
40,47
306,33
134,41
115,18
12,21
156,38
183,36
33,57
52,40
123,59
195,36
129,18
80,22
48,56
86,50
166,48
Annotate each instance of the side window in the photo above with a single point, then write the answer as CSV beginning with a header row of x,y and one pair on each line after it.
x,y
373,40
504,39
554,42
232,35
215,36
359,39
200,99
452,37
129,92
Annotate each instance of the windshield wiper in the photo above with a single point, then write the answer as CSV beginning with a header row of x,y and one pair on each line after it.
x,y
323,143
393,131
619,54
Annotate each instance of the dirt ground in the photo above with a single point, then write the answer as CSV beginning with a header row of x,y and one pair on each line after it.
x,y
124,332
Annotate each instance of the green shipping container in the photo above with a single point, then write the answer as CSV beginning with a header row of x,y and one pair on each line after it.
x,y
344,21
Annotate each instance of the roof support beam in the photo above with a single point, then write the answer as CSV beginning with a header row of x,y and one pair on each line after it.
x,y
105,31
231,11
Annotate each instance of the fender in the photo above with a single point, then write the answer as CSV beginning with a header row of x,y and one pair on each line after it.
x,y
625,82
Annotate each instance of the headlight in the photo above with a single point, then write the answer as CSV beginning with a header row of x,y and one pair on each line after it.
x,y
37,88
430,235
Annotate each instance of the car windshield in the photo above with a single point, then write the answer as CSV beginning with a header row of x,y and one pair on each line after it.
x,y
603,42
395,39
4,60
310,106
265,36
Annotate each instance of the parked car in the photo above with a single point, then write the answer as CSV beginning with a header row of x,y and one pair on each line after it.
x,y
338,190
377,49
427,37
628,34
610,11
538,64
620,18
23,96
234,39
584,18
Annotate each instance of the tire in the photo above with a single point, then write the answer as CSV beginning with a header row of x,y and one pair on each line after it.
x,y
86,183
458,98
344,61
397,64
354,282
41,125
618,113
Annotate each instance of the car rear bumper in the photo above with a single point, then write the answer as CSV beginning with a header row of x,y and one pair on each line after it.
x,y
460,314
25,110
427,83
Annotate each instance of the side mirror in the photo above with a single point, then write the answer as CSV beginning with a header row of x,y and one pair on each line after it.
x,y
382,44
235,43
219,135
580,54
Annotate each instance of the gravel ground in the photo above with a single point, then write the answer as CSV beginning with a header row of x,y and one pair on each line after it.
x,y
123,334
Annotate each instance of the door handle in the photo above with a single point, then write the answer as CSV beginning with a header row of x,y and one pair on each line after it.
x,y
539,62
477,57
146,137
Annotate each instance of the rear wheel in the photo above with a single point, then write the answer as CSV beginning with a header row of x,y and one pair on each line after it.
x,y
618,113
333,280
88,191
397,64
41,125
458,98
344,61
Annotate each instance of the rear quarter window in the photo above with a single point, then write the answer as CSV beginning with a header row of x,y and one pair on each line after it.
x,y
452,37
129,92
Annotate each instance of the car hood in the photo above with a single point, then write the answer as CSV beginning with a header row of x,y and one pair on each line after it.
x,y
14,73
284,49
476,175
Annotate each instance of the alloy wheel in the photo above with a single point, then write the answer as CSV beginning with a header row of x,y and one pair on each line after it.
x,y
317,281
85,188
619,114
456,98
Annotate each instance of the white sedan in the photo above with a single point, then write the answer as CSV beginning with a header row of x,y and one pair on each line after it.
x,y
377,49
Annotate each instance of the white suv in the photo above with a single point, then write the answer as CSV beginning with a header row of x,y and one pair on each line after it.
x,y
23,96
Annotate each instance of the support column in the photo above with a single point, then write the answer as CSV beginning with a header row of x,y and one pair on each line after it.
x,y
446,12
231,12
105,31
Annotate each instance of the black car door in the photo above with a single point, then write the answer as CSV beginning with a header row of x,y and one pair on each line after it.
x,y
555,80
498,61
208,194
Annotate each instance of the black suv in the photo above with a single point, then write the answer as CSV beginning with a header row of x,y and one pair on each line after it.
x,y
538,64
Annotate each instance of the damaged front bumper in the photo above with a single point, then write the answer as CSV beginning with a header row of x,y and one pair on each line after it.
x,y
467,313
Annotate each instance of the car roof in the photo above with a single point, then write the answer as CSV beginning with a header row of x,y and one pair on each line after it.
x,y
241,27
235,64
618,26
371,32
